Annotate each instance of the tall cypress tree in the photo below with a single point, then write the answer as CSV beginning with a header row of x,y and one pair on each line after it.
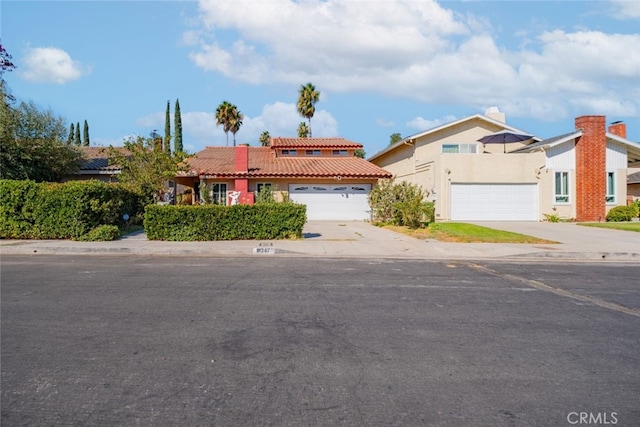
x,y
167,131
177,139
85,140
77,139
72,134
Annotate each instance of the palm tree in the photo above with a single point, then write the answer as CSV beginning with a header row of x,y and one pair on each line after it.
x,y
264,138
307,101
235,121
223,117
303,130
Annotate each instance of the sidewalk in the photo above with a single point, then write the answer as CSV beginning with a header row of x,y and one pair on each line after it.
x,y
355,239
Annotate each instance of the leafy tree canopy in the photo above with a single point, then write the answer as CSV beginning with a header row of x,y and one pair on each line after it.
x,y
33,144
145,168
395,137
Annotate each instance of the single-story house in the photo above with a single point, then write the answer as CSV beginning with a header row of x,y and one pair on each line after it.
x,y
96,166
578,175
322,173
633,185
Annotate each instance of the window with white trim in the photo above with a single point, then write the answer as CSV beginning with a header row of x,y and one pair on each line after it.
x,y
313,152
289,152
459,148
611,188
562,187
340,152
219,193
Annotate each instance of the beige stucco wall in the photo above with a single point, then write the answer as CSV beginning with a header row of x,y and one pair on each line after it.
x,y
489,169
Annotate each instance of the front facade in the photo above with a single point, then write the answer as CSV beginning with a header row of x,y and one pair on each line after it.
x,y
578,176
322,173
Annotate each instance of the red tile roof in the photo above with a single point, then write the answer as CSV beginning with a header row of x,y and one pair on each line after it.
x,y
220,162
327,143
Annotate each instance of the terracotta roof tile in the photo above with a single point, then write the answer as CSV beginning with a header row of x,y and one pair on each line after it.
x,y
219,162
330,143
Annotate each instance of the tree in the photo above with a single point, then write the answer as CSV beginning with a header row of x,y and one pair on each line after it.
x,y
265,138
167,131
33,144
394,137
308,96
235,122
222,117
85,140
72,134
6,64
303,130
360,153
5,61
177,124
77,140
143,168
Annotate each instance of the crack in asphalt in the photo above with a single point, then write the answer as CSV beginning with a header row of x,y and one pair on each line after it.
x,y
557,291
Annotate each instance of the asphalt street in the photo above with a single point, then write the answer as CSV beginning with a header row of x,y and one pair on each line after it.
x,y
130,340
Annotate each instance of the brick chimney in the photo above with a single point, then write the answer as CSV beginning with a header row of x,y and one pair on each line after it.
x,y
618,128
591,150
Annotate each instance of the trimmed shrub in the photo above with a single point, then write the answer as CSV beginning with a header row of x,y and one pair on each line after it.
x,y
621,213
214,222
61,211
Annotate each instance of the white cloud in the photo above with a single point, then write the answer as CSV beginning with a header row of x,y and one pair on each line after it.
x,y
421,124
626,9
51,65
419,50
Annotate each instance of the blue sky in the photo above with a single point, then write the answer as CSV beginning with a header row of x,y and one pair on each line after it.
x,y
382,66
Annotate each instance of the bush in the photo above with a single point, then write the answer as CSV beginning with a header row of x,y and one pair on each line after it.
x,y
102,233
400,204
214,222
61,211
621,213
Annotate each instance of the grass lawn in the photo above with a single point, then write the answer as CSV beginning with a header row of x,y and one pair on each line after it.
x,y
626,226
466,233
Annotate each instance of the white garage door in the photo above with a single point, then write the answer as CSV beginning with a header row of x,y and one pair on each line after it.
x,y
494,202
346,201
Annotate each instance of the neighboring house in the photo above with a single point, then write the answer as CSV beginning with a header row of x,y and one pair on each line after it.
x,y
633,185
322,173
95,166
578,175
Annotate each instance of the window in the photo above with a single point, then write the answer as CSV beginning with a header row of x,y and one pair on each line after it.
x,y
611,187
340,152
289,152
219,193
265,185
562,187
313,152
459,148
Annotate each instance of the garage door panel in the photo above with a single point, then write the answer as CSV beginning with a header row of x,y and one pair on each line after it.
x,y
494,202
339,202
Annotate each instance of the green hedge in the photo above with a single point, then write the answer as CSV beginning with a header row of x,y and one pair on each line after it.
x,y
213,222
30,210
